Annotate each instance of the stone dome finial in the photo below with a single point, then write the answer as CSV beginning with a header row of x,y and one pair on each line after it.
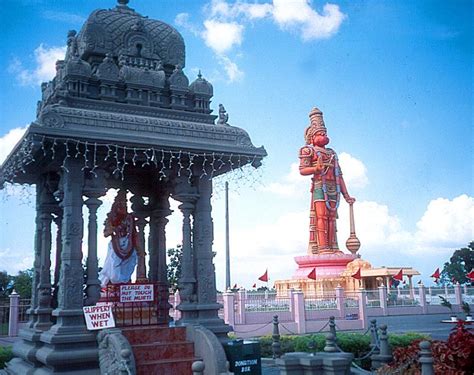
x,y
122,3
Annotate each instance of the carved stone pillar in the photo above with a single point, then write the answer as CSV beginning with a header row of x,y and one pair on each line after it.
x,y
140,211
59,246
43,311
203,237
25,349
93,283
158,271
68,345
187,281
93,189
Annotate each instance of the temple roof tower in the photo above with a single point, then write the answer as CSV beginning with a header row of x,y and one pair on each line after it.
x,y
122,85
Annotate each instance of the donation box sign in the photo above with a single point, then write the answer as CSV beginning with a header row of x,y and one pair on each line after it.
x,y
99,316
136,293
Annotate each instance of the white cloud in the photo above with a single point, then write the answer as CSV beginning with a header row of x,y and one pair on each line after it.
x,y
232,70
45,69
354,171
225,24
312,25
447,222
222,9
8,141
182,19
222,36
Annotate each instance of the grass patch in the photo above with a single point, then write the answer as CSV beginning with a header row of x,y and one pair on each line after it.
x,y
5,355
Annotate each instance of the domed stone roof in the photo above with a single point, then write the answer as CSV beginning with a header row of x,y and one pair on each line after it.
x,y
122,31
202,86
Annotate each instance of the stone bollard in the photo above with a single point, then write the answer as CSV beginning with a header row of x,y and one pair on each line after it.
x,y
426,359
374,344
332,325
13,322
330,343
276,346
385,355
198,368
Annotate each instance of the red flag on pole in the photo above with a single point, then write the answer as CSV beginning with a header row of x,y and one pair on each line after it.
x,y
264,277
235,286
399,275
470,275
254,285
436,274
357,275
312,274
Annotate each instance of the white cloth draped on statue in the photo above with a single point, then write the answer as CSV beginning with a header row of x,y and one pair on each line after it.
x,y
117,270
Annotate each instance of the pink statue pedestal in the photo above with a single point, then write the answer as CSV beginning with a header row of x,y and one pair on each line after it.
x,y
328,266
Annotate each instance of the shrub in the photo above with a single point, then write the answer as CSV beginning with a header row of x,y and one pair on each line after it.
x,y
5,355
455,356
355,343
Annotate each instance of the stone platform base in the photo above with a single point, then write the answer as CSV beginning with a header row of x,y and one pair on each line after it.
x,y
328,268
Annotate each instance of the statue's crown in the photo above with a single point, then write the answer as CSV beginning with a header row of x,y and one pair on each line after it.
x,y
316,124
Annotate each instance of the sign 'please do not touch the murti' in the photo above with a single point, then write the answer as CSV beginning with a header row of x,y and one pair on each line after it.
x,y
99,316
136,293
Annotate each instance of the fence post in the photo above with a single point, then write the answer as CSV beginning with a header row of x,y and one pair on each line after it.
x,y
422,294
383,299
292,302
465,289
229,312
300,316
426,359
13,322
458,295
446,291
385,355
241,305
276,346
340,301
362,294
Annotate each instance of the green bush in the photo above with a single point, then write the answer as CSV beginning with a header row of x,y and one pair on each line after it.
x,y
5,355
355,343
404,340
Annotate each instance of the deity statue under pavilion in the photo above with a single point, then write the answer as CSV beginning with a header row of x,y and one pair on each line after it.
x,y
123,247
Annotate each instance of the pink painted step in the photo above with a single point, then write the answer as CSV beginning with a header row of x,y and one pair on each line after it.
x,y
160,350
166,367
151,334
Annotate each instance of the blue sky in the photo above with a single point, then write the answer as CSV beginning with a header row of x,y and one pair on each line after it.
x,y
393,78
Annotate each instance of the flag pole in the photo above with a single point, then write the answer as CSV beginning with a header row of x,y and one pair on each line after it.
x,y
227,244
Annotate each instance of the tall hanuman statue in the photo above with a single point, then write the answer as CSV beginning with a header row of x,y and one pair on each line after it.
x,y
326,188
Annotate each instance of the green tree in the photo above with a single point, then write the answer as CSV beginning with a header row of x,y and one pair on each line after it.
x,y
459,265
174,266
5,279
23,283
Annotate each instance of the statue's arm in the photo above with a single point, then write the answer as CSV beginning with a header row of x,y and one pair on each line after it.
x,y
108,228
344,191
306,162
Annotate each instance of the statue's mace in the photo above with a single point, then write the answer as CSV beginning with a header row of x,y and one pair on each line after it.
x,y
352,243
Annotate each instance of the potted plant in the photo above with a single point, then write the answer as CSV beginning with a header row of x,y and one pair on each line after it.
x,y
467,310
446,303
